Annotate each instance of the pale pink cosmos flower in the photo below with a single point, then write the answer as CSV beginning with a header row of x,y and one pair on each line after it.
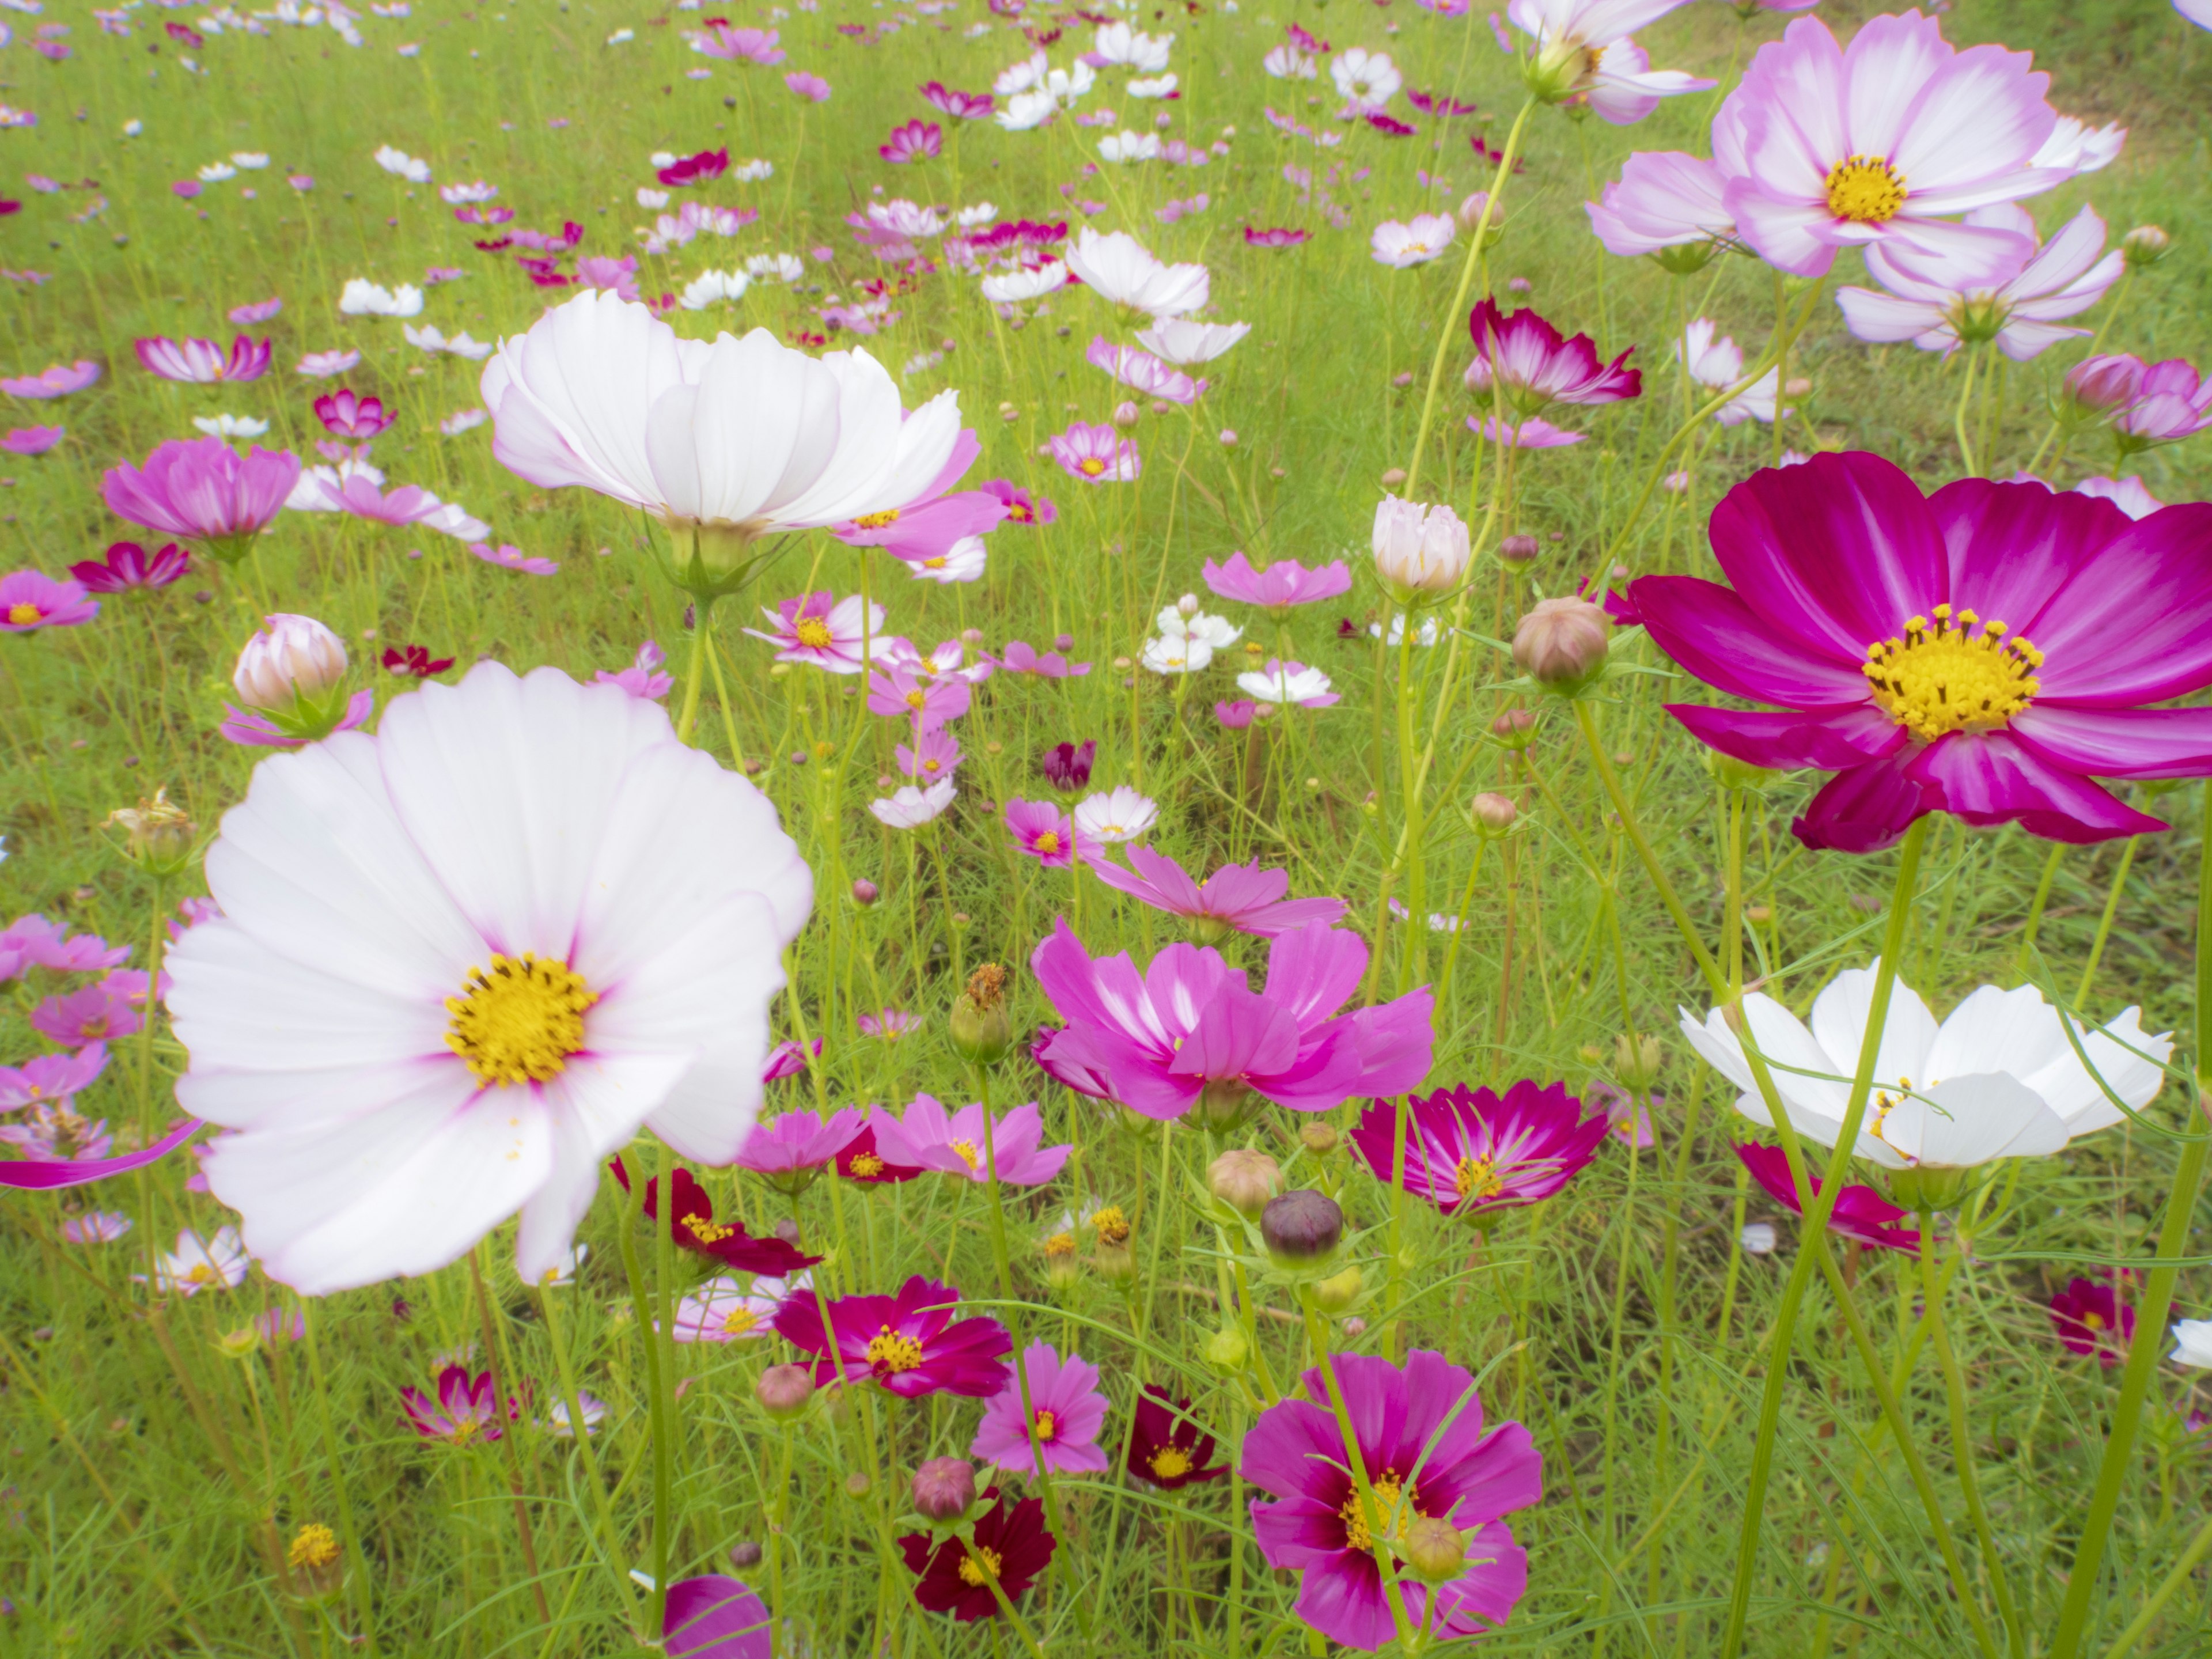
x,y
910,809
891,1025
1365,80
1663,201
2020,312
738,45
259,312
1242,897
642,679
1096,454
1415,242
1021,658
1717,364
825,631
725,1309
1142,372
1531,434
509,557
964,560
796,1144
1287,683
2127,494
969,1142
933,755
49,1079
1059,1429
1583,55
355,488
1279,586
1047,835
203,362
57,381
322,365
1120,815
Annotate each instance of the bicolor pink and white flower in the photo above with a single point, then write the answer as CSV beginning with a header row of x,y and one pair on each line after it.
x,y
1717,364
839,636
1414,242
1583,55
2022,313
1096,454
1534,366
203,362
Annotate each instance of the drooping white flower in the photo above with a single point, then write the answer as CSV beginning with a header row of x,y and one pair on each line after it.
x,y
460,962
1013,286
230,426
912,807
362,298
1125,146
1998,1078
1120,269
1179,341
1157,86
399,163
775,267
1120,814
1216,633
1121,46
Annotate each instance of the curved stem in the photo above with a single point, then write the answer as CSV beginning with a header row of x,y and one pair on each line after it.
x,y
1959,420
1962,1438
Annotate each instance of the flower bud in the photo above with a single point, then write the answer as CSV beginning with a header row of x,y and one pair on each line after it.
x,y
291,658
857,1484
1187,605
982,1029
746,1553
1637,1063
2098,385
1418,550
2146,245
1335,1295
1518,549
1515,728
1433,1548
1117,1262
1470,216
159,834
784,1391
1395,475
864,892
1562,644
1493,814
944,1488
316,1564
1318,1138
1227,1351
1243,1179
1301,1228
1060,1270
1125,415
1224,1105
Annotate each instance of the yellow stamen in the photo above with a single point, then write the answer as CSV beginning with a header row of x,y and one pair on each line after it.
x,y
1060,1244
1394,1502
1170,1462
813,632
1113,1226
22,615
200,1273
707,1231
519,1021
1048,842
1046,1428
1866,190
1477,1177
740,1321
1091,466
968,1155
888,1350
1942,677
877,520
867,1165
974,1567
315,1546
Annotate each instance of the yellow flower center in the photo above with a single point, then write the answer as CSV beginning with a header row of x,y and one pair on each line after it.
x,y
1048,842
1113,1226
1416,248
979,1567
1020,512
1477,1177
867,1166
934,564
742,1320
199,1273
1865,189
1091,466
24,614
877,520
888,1350
1942,677
968,1155
915,698
1060,1244
1170,1462
1394,1503
708,1231
316,1546
519,1021
2094,1322
1046,1427
466,1430
813,632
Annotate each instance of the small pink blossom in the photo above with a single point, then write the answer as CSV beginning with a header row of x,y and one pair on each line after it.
x,y
812,88
507,557
1047,834
642,679
1058,1431
1096,454
824,631
29,599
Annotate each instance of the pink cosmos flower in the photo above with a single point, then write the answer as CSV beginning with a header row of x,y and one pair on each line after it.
x,y
722,1310
892,1023
96,1227
1047,835
962,106
466,1409
788,1059
642,679
1021,508
935,755
56,382
1472,1152
323,365
812,87
1281,237
32,941
356,488
30,599
793,1147
2168,403
910,691
824,631
1415,242
1531,434
617,276
1421,1444
2091,1319
1860,1214
1191,1026
926,1137
937,519
909,1343
2021,312
259,312
204,490
1020,658
1096,454
128,567
50,1080
1060,1430
1664,200
915,140
202,361
718,40
1536,366
94,1013
507,557
346,414
1236,715
1884,142
2019,638
1143,372
32,440
1717,365
2128,494
1242,897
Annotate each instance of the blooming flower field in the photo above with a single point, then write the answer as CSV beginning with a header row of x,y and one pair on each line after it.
x,y
1231,829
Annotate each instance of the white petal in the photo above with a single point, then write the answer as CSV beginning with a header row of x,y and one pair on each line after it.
x,y
1966,1122
1839,1021
1993,1031
593,1109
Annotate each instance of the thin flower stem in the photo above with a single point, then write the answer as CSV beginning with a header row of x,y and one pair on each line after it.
x,y
523,1534
1959,420
721,691
693,679
999,1595
356,1558
641,1309
2104,922
564,1364
1586,717
2036,906
2151,1312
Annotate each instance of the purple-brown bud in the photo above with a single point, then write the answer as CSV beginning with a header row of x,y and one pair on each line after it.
x,y
1515,728
1562,644
784,1391
944,1488
1301,1228
864,892
1518,549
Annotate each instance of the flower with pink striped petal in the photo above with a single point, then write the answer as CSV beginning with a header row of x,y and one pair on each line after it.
x,y
1534,366
202,361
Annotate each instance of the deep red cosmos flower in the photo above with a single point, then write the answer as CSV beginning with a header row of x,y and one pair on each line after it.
x,y
1166,1447
1068,765
2090,1318
1861,1212
859,1161
909,1343
415,659
1985,651
726,1242
1013,1547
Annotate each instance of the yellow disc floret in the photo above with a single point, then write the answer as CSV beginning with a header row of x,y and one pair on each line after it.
x,y
979,1567
1477,1177
519,1020
1866,190
877,520
1394,1503
1943,677
814,633
315,1546
891,1351
1170,1462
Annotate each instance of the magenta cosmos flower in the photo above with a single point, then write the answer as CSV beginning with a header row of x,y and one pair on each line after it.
x,y
825,631
466,1409
1885,141
2091,1319
1064,1408
1021,508
1190,1026
204,490
962,106
1471,1151
349,415
1860,1214
914,140
28,440
1242,897
129,566
909,1343
1279,586
695,169
789,1150
1984,651
1047,835
1096,454
31,599
203,362
1537,367
928,1137
1422,1445
1280,236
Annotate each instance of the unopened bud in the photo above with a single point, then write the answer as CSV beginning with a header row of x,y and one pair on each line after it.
x,y
1470,216
2101,384
2146,245
784,1391
1796,386
1187,605
291,659
1225,1104
1318,1138
1730,773
1493,814
1562,644
1301,1228
864,892
159,834
1243,1179
1418,549
1125,416
857,1484
1517,550
1637,1063
1115,1261
944,1488
745,1553
1396,475
1515,728
981,1028
1335,1295
1227,1351
1433,1548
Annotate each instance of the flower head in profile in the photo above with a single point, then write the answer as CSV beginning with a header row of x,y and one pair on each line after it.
x,y
525,920
1245,897
347,413
912,141
724,1310
1534,366
1117,267
910,1344
30,600
968,1143
2090,1318
1862,1214
1584,56
1279,586
214,1263
49,1079
1920,654
202,361
466,1409
1120,814
57,381
1167,1447
1060,1430
1717,364
1011,1546
1472,1151
1999,1078
2022,313
1021,508
791,1148
205,491
1667,204
129,568
1287,685
914,805
1420,1440
697,1230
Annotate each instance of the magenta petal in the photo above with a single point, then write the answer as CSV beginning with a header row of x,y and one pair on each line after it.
x,y
1717,635
714,1618
1827,739
2012,546
1863,809
75,1172
1396,1041
2118,743
1312,969
1486,1595
1237,1032
1992,779
2134,625
1344,1601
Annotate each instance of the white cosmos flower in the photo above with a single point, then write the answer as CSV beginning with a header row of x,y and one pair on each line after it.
x,y
747,436
651,199
981,214
1013,287
2079,148
1178,340
1121,269
724,1310
362,298
911,808
1415,242
230,426
1065,86
1023,76
252,159
1996,1079
400,163
1127,146
213,1264
1367,80
711,287
1288,62
1158,86
216,171
1286,683
431,337
1717,364
1025,110
1216,633
2192,1343
1120,814
962,562
775,267
461,962
1172,655
1119,45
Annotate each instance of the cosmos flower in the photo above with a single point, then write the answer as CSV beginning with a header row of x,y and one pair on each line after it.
x,y
1861,1213
1420,1441
826,632
1060,1431
1242,897
1254,236
32,941
356,488
962,106
1537,367
915,141
362,298
793,1147
723,1310
465,1411
204,491
911,807
861,1161
909,1343
1999,1078
346,414
1068,765
49,1079
1717,365
484,1034
1118,268
1366,80
1142,372
1287,683
2021,313
744,45
2090,1318
1121,814
1028,283
698,1232
28,440
2090,619
30,600
1415,242
1010,1546
1471,1152
1021,508
58,381
889,1025
202,361
198,1264
1664,200
1179,340
1167,1448
927,1136
1021,658
1046,834
1096,454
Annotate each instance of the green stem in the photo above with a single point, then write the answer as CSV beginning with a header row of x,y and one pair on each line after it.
x,y
2104,922
1962,1439
2036,906
1959,420
692,680
356,1558
1380,1524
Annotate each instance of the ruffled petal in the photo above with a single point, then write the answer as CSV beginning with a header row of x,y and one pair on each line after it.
x,y
1993,778
1863,809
